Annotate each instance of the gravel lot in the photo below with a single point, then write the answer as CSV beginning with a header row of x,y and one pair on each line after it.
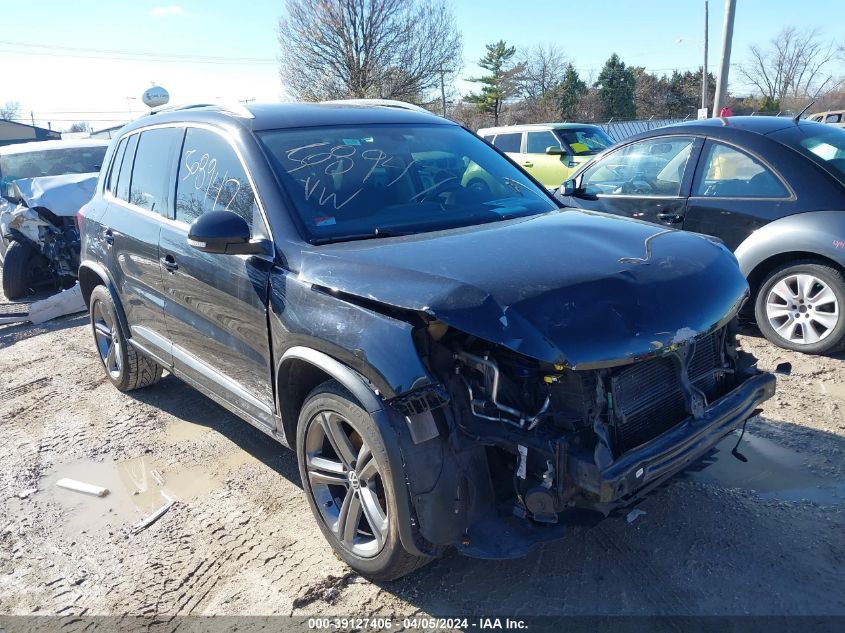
x,y
764,537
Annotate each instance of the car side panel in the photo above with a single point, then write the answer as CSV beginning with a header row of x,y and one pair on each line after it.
x,y
819,232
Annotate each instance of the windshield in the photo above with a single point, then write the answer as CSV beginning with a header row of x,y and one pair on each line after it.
x,y
52,162
585,141
381,180
818,142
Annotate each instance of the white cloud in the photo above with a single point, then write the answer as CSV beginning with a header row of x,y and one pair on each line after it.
x,y
172,9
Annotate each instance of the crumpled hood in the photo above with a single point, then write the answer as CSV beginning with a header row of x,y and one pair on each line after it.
x,y
62,195
572,287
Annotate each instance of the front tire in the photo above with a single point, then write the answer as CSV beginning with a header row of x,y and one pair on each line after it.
x,y
347,478
799,307
23,268
126,368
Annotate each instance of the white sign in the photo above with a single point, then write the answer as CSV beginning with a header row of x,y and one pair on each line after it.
x,y
703,113
155,96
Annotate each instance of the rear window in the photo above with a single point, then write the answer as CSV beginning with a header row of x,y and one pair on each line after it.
x,y
824,145
151,171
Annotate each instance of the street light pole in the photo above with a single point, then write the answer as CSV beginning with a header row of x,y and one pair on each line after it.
x,y
704,78
727,39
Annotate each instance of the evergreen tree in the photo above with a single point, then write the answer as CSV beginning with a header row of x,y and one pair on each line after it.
x,y
567,94
616,90
501,83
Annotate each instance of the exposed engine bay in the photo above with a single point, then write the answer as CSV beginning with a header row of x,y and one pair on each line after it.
x,y
550,432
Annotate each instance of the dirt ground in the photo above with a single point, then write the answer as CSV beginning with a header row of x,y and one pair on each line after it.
x,y
765,537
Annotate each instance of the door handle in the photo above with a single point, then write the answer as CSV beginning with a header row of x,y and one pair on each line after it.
x,y
528,163
169,263
671,218
108,236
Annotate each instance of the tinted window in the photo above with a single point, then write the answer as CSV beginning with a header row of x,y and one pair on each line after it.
x,y
211,178
124,179
151,172
822,145
537,142
114,170
731,173
508,142
654,167
367,181
833,118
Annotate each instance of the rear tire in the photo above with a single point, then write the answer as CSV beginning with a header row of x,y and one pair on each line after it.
x,y
799,307
126,368
21,264
347,479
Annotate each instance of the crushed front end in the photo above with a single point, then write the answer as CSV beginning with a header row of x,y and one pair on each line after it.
x,y
559,442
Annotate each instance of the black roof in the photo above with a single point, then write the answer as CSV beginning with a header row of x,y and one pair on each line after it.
x,y
270,116
755,124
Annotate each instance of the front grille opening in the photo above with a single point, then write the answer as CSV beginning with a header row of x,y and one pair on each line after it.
x,y
649,397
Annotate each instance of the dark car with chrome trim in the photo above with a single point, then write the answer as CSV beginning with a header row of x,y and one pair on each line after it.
x,y
454,367
771,188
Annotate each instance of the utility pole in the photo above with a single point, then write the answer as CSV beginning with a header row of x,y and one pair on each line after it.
x,y
727,39
704,87
442,91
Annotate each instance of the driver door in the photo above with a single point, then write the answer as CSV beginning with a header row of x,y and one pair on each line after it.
x,y
646,180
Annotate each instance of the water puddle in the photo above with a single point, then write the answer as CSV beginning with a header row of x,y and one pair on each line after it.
x,y
772,472
137,487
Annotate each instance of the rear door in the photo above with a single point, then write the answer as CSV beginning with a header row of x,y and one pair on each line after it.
x,y
734,193
136,210
511,144
216,305
648,180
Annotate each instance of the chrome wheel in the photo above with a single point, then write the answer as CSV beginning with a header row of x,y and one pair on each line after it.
x,y
346,483
802,308
108,342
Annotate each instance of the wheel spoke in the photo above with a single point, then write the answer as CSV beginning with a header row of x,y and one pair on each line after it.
x,y
787,329
783,291
101,329
827,319
777,310
375,515
346,528
367,467
110,357
805,284
825,296
326,471
337,438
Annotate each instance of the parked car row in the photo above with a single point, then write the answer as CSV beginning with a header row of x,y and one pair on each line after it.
x,y
468,344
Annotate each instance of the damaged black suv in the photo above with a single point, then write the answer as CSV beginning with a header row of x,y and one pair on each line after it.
x,y
457,361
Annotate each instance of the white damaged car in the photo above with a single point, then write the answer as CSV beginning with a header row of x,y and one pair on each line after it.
x,y
43,185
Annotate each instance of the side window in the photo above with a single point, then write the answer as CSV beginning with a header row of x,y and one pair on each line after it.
x,y
151,172
124,178
730,173
537,142
114,170
833,118
653,167
211,178
508,142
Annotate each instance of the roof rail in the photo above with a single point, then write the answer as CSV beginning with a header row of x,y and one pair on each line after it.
x,y
236,109
384,103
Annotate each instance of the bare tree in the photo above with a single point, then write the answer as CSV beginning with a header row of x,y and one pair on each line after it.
x,y
80,126
10,110
544,68
397,49
793,68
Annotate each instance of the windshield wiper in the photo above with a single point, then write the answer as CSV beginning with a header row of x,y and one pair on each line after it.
x,y
374,235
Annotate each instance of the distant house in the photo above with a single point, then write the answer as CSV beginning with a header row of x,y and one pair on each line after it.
x,y
13,132
108,132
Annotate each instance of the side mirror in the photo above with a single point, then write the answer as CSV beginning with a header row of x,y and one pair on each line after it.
x,y
568,188
224,232
553,150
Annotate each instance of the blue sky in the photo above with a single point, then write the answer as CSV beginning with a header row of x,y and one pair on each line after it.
x,y
61,84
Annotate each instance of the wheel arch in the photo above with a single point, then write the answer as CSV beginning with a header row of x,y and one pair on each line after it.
x,y
300,369
762,269
92,275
